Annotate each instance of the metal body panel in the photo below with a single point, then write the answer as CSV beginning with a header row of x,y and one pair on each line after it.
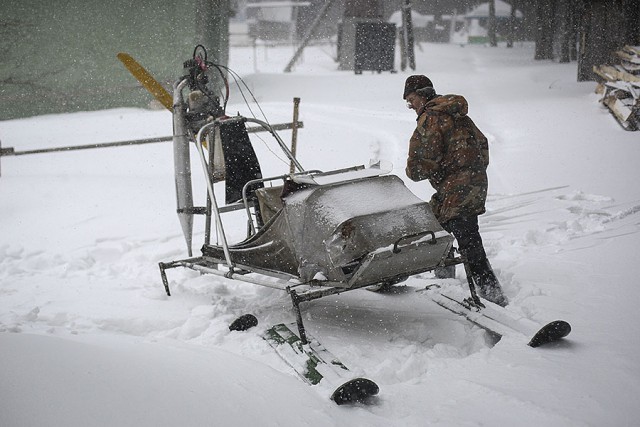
x,y
353,233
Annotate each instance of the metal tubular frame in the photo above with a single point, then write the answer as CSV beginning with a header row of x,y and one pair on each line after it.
x,y
212,204
278,280
211,194
251,229
283,282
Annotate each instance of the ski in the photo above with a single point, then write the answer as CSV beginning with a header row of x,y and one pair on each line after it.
x,y
498,320
315,365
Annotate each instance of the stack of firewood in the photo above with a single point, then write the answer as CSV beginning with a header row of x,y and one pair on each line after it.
x,y
620,87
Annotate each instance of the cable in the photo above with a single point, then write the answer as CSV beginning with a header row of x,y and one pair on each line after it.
x,y
201,60
226,86
234,75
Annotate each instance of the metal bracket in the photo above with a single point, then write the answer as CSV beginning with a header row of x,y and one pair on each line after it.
x,y
433,241
295,299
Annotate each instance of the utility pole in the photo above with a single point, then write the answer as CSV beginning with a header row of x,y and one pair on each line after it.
x,y
407,48
512,23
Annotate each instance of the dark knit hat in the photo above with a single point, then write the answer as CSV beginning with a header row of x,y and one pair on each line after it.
x,y
416,83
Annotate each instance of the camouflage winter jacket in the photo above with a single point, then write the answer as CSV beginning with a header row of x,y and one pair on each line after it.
x,y
448,149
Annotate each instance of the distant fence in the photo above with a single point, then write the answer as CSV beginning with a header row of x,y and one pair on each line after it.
x,y
10,151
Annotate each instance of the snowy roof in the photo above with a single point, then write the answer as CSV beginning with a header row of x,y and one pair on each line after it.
x,y
417,19
503,10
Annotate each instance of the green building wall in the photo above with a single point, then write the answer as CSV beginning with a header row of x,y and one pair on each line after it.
x,y
60,55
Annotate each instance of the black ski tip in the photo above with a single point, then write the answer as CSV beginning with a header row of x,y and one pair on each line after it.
x,y
244,322
356,390
551,332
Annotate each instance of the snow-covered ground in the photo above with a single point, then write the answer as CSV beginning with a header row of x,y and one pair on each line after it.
x,y
88,337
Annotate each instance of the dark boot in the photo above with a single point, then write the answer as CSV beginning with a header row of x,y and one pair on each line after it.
x,y
465,230
487,284
489,288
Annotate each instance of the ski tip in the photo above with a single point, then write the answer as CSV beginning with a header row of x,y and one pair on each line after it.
x,y
244,322
356,390
551,332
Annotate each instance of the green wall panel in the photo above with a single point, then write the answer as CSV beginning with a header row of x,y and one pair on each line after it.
x,y
60,55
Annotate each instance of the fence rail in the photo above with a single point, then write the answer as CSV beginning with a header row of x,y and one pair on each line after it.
x,y
10,151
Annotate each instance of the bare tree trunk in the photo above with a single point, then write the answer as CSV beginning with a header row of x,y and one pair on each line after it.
x,y
544,29
563,31
545,17
631,10
577,6
590,51
605,28
493,38
512,24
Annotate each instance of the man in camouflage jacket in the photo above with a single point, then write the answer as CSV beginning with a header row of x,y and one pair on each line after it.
x,y
448,149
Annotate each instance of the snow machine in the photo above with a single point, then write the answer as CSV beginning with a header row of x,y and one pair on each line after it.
x,y
309,233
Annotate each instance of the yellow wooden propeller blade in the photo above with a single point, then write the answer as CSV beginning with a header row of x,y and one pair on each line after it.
x,y
147,80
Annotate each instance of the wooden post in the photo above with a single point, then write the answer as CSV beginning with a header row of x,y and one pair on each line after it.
x,y
294,132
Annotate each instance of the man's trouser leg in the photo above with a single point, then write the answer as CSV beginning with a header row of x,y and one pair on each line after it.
x,y
467,233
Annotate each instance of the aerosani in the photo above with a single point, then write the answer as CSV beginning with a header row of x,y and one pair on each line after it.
x,y
310,233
